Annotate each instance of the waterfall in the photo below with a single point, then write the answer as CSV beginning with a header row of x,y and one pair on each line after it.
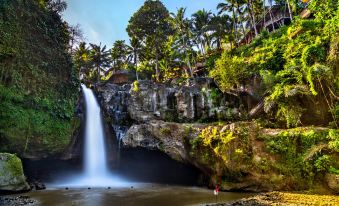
x,y
94,154
96,172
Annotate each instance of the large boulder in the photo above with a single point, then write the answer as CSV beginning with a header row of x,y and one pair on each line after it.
x,y
12,177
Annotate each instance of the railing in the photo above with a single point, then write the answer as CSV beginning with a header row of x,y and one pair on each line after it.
x,y
276,19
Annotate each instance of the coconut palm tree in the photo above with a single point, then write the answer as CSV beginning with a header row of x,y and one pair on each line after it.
x,y
119,54
81,59
251,12
229,6
220,26
100,58
200,21
271,15
183,35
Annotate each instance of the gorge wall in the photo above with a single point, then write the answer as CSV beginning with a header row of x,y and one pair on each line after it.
x,y
189,124
39,86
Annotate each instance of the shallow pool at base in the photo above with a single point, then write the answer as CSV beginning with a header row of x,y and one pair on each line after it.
x,y
139,195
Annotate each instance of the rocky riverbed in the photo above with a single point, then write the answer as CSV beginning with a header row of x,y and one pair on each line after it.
x,y
17,200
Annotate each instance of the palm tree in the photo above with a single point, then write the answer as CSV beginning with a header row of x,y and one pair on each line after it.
x,y
100,58
119,54
220,26
251,12
81,58
183,35
200,21
288,2
230,6
271,15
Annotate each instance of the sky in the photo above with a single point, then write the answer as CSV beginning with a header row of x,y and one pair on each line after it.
x,y
105,21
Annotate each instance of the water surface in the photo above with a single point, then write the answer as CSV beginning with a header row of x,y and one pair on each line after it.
x,y
145,195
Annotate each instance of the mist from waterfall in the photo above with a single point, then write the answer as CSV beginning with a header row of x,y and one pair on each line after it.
x,y
96,172
95,160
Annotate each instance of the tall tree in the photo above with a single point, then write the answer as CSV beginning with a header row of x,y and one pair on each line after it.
x,y
56,6
82,59
150,26
230,6
183,36
220,26
100,58
200,24
134,50
76,37
119,54
251,12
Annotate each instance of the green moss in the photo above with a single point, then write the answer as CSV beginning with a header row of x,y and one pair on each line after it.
x,y
165,131
170,115
303,154
12,165
136,86
38,84
162,147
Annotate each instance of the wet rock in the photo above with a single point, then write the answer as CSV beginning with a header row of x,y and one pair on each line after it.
x,y
37,185
197,99
164,136
17,201
333,182
12,178
115,100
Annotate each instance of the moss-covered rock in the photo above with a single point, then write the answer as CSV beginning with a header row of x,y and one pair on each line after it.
x,y
333,182
12,177
245,156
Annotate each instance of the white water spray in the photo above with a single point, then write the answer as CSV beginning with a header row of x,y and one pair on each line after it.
x,y
94,154
96,172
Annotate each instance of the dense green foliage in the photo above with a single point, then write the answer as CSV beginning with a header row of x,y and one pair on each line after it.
x,y
297,65
305,153
38,84
151,27
293,159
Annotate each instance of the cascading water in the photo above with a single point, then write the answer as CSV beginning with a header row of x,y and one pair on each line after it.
x,y
96,172
94,154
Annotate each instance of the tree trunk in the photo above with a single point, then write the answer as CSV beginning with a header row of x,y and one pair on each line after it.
x,y
135,66
251,11
190,67
271,16
187,57
219,43
157,73
235,28
242,25
98,75
289,9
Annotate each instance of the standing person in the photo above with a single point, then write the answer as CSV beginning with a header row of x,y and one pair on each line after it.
x,y
216,193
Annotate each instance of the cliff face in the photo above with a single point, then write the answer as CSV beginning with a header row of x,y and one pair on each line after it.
x,y
243,156
237,156
145,100
38,84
